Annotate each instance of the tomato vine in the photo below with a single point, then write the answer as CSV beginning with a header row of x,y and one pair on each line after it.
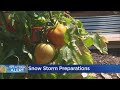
x,y
26,29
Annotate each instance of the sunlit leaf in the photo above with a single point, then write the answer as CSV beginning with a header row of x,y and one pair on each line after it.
x,y
104,39
85,55
68,20
88,41
80,25
66,53
67,38
30,55
100,44
76,57
86,58
83,31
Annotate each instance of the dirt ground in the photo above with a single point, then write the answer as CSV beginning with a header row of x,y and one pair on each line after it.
x,y
113,57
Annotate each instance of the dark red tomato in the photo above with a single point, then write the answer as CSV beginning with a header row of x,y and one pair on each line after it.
x,y
10,28
37,28
35,36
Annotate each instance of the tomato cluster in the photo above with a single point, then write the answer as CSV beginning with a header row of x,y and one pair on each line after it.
x,y
44,53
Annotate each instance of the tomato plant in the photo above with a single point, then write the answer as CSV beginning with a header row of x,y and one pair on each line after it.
x,y
22,32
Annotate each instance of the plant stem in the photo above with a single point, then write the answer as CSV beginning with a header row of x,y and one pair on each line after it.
x,y
50,14
3,18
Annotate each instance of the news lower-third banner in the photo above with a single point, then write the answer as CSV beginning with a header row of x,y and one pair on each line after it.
x,y
37,68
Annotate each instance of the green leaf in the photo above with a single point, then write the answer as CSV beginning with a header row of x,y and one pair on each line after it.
x,y
13,22
96,39
76,57
27,52
68,20
67,38
2,15
80,25
68,35
83,31
12,52
86,58
2,53
48,75
88,41
30,56
11,60
1,50
103,46
100,44
66,53
73,75
84,55
61,58
53,75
